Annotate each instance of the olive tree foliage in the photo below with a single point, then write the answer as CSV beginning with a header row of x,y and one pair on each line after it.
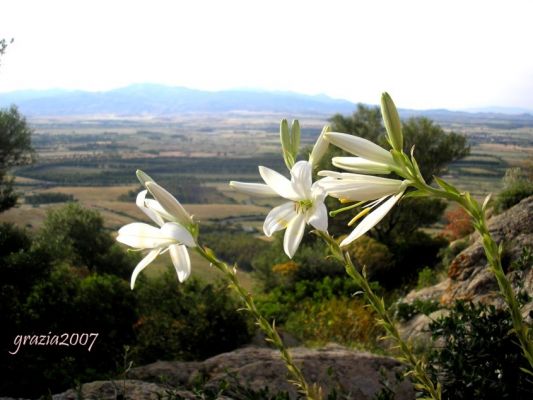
x,y
3,46
15,146
434,150
15,150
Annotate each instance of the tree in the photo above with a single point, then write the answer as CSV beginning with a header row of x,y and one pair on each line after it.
x,y
3,46
76,235
434,148
15,146
15,150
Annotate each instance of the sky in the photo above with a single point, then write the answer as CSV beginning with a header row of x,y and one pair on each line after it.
x,y
426,54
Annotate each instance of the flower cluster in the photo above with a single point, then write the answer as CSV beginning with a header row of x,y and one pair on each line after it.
x,y
175,232
304,203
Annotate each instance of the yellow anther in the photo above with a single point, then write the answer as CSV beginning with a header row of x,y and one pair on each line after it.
x,y
359,216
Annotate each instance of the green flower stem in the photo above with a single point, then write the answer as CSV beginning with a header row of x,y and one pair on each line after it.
x,y
493,254
297,378
417,366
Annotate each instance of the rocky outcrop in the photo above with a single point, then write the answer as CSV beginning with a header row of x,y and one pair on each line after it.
x,y
469,277
353,372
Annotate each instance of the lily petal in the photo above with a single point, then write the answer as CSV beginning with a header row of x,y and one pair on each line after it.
x,y
371,219
348,176
360,165
178,233
142,265
293,235
254,189
360,191
180,259
360,147
301,178
278,218
318,218
169,203
158,209
141,203
143,236
277,182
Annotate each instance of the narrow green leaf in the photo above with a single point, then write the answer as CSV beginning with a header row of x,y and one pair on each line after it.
x,y
446,186
486,202
416,194
415,164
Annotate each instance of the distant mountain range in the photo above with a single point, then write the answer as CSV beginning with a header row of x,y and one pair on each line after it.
x,y
160,100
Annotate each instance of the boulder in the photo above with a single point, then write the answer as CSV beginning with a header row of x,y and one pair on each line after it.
x,y
469,277
358,374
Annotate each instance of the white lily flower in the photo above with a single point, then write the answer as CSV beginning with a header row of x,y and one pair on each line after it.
x,y
372,218
306,205
382,192
356,187
171,235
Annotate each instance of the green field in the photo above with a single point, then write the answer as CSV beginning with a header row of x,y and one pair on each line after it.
x,y
194,157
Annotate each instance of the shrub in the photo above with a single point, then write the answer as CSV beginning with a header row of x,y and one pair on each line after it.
x,y
426,277
518,185
342,320
411,254
375,256
310,263
76,235
459,224
48,197
232,246
479,358
406,311
189,321
281,301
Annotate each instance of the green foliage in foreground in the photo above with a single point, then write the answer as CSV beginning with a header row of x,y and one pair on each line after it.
x,y
190,321
235,246
479,357
40,297
69,278
76,235
281,301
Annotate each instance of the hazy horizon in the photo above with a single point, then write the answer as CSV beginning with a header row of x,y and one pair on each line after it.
x,y
495,108
454,55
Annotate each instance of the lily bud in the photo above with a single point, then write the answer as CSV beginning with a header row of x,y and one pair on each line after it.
x,y
143,177
392,122
295,138
285,137
320,147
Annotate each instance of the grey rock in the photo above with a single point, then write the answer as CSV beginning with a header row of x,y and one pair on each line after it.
x,y
110,390
355,373
469,277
